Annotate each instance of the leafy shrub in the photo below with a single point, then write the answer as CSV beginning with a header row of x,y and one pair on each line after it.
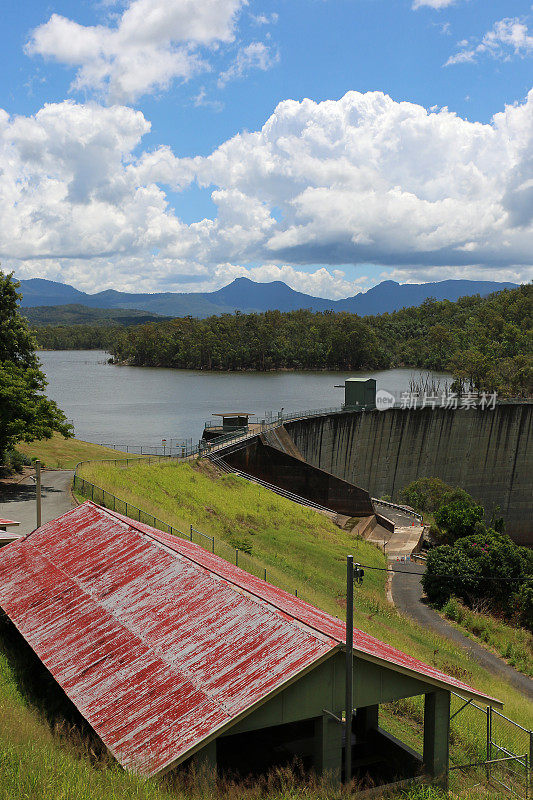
x,y
429,494
15,461
487,566
453,609
525,603
459,519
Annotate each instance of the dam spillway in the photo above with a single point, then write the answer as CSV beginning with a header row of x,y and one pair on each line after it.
x,y
489,453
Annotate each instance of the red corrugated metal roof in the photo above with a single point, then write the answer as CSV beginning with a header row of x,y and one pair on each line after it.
x,y
8,522
158,643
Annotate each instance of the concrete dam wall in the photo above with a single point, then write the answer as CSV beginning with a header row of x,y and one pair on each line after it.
x,y
488,453
280,464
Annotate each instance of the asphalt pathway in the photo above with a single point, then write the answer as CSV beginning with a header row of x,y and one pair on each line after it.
x,y
17,500
407,594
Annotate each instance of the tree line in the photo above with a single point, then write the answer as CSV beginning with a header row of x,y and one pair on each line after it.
x,y
485,342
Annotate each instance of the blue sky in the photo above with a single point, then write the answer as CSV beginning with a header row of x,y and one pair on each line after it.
x,y
156,145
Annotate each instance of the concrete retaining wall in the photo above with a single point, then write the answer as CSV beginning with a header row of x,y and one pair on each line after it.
x,y
278,467
488,453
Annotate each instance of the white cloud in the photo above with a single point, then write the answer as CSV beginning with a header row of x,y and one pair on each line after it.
x,y
265,19
508,37
153,43
360,180
256,55
433,3
422,275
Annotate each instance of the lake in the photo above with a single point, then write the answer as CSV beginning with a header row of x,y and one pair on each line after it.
x,y
120,405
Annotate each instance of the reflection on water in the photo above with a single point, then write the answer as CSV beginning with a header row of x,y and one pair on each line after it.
x,y
141,405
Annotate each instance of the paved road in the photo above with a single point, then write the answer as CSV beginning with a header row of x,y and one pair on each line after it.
x,y
17,501
405,538
407,593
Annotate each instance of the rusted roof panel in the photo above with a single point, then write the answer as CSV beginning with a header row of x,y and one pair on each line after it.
x,y
156,651
158,643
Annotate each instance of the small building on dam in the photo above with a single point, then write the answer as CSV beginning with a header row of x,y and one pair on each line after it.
x,y
172,655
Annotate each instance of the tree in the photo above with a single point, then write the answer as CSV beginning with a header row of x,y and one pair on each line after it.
x,y
459,518
429,494
25,412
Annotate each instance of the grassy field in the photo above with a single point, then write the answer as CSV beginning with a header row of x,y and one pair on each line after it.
x,y
61,453
46,755
513,643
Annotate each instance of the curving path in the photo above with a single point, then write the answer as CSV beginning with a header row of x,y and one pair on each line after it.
x,y
17,500
407,593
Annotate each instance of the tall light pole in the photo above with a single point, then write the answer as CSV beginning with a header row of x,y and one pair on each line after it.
x,y
349,671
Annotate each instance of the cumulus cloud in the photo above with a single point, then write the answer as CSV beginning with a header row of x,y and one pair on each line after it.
x,y
508,37
153,43
368,179
360,180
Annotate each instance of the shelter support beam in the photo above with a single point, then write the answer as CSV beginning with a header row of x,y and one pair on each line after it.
x,y
437,734
328,748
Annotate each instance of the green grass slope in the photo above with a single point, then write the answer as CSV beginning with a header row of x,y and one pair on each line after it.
x,y
60,453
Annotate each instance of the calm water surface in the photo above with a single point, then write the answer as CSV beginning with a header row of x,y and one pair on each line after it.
x,y
141,405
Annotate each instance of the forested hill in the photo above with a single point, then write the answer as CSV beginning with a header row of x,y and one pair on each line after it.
x,y
78,314
485,342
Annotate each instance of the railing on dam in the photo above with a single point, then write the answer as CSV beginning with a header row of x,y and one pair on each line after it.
x,y
397,507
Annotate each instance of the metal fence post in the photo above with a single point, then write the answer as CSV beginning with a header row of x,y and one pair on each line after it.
x,y
265,575
212,544
190,534
92,491
489,736
236,558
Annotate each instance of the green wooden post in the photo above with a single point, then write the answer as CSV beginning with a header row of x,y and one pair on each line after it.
x,y
437,734
328,749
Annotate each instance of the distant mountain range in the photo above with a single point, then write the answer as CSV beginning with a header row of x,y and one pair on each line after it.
x,y
246,296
